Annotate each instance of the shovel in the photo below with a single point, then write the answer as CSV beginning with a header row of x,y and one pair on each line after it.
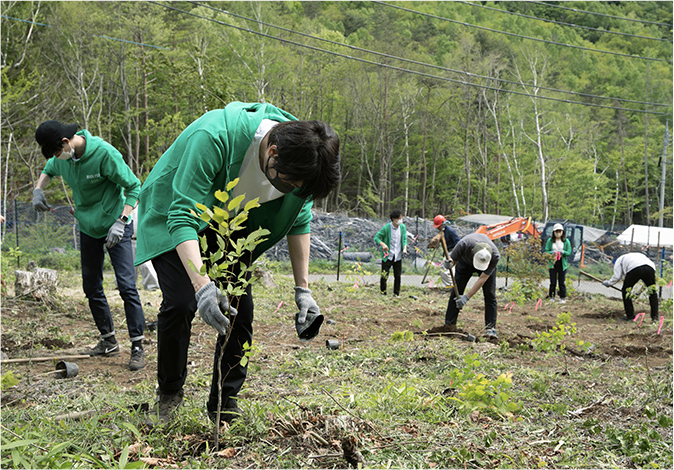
x,y
596,279
451,273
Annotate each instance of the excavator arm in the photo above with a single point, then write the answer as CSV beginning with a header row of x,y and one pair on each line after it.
x,y
517,224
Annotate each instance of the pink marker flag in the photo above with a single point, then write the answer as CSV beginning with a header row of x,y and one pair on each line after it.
x,y
639,316
512,304
355,286
430,283
505,307
662,320
279,306
538,303
670,284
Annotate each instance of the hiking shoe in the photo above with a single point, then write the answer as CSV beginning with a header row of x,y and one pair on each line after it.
x,y
104,348
137,361
490,334
227,414
562,301
164,408
449,328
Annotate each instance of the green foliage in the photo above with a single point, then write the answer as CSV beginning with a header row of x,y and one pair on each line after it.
x,y
405,335
529,265
8,380
477,392
642,444
553,340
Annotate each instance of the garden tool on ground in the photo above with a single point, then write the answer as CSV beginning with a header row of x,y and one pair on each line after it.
x,y
444,248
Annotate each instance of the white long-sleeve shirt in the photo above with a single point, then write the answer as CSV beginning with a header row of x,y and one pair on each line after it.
x,y
628,262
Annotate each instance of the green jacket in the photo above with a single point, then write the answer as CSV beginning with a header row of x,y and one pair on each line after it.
x,y
102,184
384,235
565,254
205,157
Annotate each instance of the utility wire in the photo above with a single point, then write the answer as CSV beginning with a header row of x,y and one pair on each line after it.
x,y
95,35
424,64
518,35
461,82
561,23
600,14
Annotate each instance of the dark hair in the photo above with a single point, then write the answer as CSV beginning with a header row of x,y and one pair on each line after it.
x,y
308,151
395,214
554,239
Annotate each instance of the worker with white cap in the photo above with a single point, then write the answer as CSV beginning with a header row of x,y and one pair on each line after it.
x,y
560,248
474,254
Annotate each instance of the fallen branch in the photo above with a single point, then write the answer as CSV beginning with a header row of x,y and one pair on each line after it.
x,y
582,410
74,415
353,415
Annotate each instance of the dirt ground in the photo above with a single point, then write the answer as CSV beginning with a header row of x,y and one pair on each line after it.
x,y
65,328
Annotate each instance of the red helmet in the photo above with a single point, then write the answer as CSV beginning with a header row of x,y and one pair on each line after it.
x,y
438,221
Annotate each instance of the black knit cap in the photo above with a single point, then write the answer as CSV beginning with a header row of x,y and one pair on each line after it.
x,y
49,135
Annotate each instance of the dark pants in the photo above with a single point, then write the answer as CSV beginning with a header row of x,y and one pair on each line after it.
x,y
647,275
462,274
557,275
397,271
121,255
174,329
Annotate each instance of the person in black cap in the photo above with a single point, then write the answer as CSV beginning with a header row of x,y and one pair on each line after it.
x,y
473,254
105,190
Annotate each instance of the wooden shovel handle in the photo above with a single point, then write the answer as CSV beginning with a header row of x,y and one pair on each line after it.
x,y
595,278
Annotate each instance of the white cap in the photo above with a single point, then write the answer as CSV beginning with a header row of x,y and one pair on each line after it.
x,y
481,256
558,227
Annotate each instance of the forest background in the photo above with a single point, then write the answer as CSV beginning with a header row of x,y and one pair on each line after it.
x,y
534,109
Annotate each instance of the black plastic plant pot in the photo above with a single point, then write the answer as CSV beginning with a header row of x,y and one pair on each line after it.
x,y
67,369
310,328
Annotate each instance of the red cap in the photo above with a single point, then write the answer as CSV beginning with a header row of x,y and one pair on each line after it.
x,y
438,221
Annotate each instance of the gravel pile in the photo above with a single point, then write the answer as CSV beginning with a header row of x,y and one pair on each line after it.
x,y
358,235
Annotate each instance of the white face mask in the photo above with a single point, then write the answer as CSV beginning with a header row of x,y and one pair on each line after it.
x,y
396,222
67,155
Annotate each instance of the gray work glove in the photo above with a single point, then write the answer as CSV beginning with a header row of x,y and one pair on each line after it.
x,y
305,303
448,264
39,201
115,233
607,283
211,303
461,301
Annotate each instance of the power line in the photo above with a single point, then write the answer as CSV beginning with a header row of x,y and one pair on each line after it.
x,y
95,35
600,14
561,23
519,35
424,64
392,67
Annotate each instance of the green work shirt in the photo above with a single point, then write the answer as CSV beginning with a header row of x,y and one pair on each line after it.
x,y
384,235
102,184
205,157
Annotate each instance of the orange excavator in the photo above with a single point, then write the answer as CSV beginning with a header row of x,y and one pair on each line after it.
x,y
515,225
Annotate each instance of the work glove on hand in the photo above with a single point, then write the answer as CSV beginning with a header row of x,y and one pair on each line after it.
x,y
461,301
39,201
305,303
448,264
115,233
211,303
607,283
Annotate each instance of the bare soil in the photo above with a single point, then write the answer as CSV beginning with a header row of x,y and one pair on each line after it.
x,y
31,329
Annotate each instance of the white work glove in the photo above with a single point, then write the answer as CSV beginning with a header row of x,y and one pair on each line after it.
x,y
211,303
115,233
448,264
305,303
39,201
461,301
607,283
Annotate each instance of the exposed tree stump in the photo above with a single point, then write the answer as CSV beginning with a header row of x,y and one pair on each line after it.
x,y
41,283
44,283
267,279
22,283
